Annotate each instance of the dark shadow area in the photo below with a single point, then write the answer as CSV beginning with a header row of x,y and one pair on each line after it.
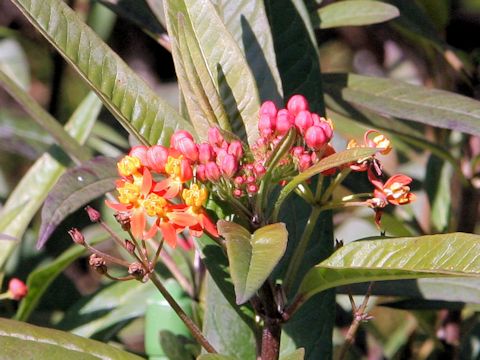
x,y
258,64
230,104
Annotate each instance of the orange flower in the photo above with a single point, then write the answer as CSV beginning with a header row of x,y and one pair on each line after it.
x,y
394,191
179,170
195,198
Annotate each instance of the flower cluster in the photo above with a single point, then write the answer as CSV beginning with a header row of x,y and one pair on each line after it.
x,y
156,184
170,186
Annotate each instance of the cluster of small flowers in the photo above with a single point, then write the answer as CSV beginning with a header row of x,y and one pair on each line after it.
x,y
169,202
393,191
315,131
313,134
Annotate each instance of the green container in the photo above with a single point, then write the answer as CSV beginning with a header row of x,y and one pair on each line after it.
x,y
160,316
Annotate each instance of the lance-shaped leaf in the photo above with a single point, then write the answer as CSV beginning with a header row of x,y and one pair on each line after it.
x,y
127,96
77,187
298,354
32,190
219,62
296,50
138,12
444,255
252,257
248,23
329,162
396,98
355,13
111,305
19,340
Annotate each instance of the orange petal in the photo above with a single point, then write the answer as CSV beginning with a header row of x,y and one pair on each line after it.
x,y
182,218
209,225
169,234
151,233
137,224
117,206
146,182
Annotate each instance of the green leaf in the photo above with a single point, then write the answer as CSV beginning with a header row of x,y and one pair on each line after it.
x,y
77,187
43,118
466,290
176,347
127,96
138,12
39,280
395,98
33,188
296,355
252,257
14,63
355,13
219,62
444,255
19,340
247,22
437,185
224,328
296,51
329,162
216,262
118,302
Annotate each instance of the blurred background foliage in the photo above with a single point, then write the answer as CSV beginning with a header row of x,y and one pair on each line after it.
x,y
433,43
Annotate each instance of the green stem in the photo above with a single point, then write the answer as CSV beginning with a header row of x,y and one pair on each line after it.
x,y
44,119
338,180
195,331
297,257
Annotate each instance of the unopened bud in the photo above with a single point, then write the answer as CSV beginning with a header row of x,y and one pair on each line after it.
x,y
212,172
237,193
252,188
235,148
285,121
77,236
205,153
268,108
17,289
229,165
296,104
129,246
303,121
98,264
124,220
93,214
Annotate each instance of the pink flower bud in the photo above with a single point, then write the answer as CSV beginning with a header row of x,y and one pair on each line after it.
x,y
239,180
268,108
93,214
250,179
305,162
140,152
284,121
237,193
76,236
296,104
235,148
17,288
229,165
157,157
297,151
259,169
188,148
212,172
200,172
252,188
316,138
179,135
214,137
249,167
266,123
303,121
205,153
221,153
